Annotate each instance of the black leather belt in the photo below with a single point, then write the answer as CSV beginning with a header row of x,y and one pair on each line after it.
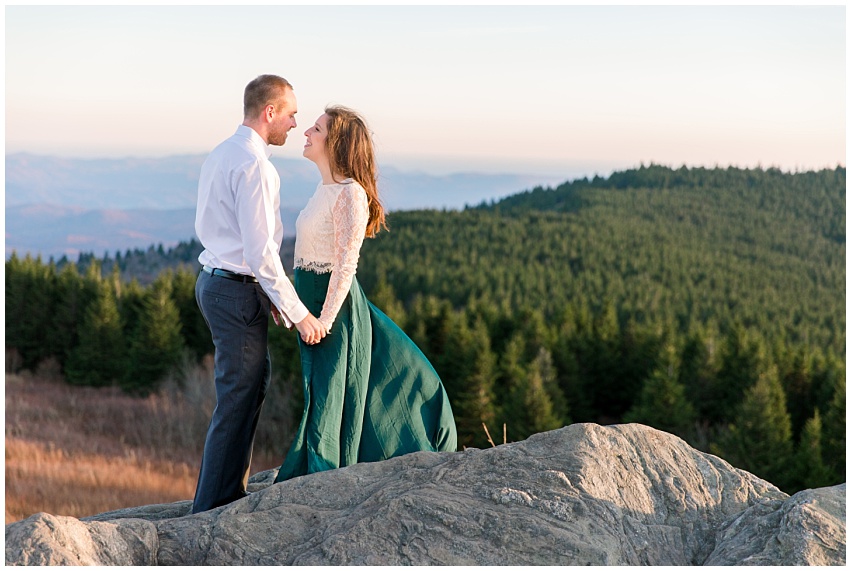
x,y
227,274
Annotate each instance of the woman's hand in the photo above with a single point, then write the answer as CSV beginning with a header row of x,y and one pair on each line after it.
x,y
311,330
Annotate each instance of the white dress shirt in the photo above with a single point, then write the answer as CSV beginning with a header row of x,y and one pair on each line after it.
x,y
238,219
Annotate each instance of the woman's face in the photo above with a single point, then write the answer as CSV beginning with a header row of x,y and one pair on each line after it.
x,y
314,147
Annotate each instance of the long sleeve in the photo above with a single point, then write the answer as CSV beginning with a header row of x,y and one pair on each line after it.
x,y
238,218
255,211
350,215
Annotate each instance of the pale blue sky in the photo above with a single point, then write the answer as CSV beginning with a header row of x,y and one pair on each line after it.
x,y
556,90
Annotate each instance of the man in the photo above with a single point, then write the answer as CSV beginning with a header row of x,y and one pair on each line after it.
x,y
238,221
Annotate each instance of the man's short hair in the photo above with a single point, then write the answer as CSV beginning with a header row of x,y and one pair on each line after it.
x,y
262,91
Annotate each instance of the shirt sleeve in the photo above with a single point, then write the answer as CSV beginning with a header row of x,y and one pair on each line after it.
x,y
256,216
350,215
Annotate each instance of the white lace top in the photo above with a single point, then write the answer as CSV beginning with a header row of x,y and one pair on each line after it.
x,y
329,234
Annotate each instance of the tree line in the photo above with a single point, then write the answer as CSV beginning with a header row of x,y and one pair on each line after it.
x,y
705,302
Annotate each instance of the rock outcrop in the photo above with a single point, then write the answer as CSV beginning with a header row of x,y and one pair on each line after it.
x,y
584,494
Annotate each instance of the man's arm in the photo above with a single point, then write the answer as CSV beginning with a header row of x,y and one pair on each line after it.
x,y
255,213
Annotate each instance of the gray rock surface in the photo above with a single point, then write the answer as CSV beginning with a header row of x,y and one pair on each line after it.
x,y
806,529
584,494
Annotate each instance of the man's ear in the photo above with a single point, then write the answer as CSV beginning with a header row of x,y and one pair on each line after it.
x,y
269,113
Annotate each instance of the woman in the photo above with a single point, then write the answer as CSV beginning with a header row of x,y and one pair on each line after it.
x,y
369,392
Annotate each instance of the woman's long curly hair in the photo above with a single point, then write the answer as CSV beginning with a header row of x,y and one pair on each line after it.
x,y
351,155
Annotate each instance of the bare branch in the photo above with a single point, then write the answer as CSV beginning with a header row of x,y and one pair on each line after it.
x,y
485,426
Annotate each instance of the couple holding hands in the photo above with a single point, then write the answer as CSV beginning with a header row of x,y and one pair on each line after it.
x,y
369,393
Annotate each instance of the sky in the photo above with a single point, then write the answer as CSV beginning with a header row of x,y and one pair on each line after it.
x,y
562,90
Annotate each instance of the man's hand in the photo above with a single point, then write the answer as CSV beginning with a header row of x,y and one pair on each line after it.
x,y
311,330
278,318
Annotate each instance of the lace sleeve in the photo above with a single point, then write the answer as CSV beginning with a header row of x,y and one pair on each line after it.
x,y
350,215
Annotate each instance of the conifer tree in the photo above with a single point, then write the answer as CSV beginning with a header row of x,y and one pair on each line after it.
x,y
662,402
545,366
130,304
454,361
596,350
431,318
157,345
640,350
527,408
796,377
29,308
833,431
474,401
15,286
99,357
760,439
697,373
567,368
540,413
384,298
743,361
196,334
73,295
810,469
509,372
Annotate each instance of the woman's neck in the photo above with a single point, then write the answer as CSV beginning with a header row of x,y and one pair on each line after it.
x,y
325,170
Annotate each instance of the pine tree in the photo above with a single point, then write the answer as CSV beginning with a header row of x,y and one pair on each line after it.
x,y
30,302
74,295
474,402
540,413
432,320
760,439
796,377
596,356
195,331
640,350
743,361
833,431
15,286
384,298
544,364
510,369
810,469
527,408
99,357
662,402
698,369
157,345
574,324
131,305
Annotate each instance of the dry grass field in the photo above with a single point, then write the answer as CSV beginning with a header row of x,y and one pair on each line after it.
x,y
80,451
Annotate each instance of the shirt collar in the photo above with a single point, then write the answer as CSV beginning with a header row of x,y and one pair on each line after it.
x,y
255,138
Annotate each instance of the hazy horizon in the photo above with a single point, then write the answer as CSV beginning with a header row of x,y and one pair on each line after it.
x,y
433,167
553,90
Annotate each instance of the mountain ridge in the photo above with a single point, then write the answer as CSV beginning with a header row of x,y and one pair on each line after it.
x,y
60,206
171,182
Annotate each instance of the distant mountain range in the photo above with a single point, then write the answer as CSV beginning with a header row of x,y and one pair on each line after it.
x,y
57,206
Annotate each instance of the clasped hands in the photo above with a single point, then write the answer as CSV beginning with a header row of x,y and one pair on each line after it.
x,y
310,329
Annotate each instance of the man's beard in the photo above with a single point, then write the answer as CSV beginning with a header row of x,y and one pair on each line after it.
x,y
278,138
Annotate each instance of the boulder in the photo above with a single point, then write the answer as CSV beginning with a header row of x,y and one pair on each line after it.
x,y
581,495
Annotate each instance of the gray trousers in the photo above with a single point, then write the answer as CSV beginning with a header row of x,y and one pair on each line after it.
x,y
238,317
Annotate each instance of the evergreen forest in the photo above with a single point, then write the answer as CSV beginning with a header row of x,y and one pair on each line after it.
x,y
709,303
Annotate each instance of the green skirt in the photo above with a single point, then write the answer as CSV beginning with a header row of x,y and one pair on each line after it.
x,y
369,392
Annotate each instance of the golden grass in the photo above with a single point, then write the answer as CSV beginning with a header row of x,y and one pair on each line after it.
x,y
41,478
80,451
